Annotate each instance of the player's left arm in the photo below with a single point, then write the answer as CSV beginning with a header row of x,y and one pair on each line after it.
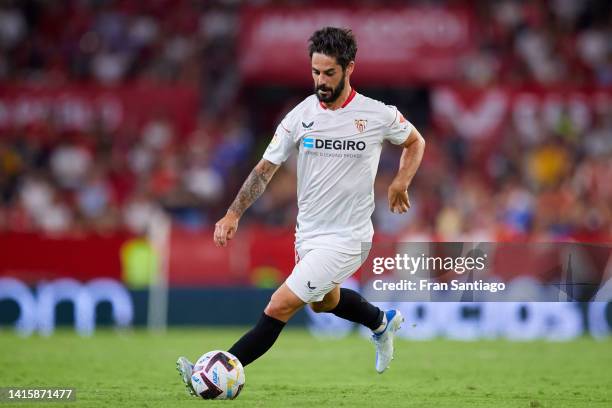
x,y
414,147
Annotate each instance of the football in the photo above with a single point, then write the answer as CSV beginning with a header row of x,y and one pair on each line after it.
x,y
217,375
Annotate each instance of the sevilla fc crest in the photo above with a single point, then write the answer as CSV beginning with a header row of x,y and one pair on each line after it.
x,y
360,124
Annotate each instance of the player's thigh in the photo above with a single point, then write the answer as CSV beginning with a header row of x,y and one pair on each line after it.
x,y
319,272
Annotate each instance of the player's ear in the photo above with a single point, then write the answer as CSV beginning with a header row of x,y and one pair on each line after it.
x,y
350,67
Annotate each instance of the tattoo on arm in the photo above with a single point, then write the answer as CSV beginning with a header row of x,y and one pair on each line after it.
x,y
254,186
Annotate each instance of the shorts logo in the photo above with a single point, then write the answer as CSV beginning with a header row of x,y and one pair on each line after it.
x,y
310,287
360,124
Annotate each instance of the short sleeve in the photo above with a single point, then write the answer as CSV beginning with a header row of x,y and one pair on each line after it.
x,y
398,128
281,145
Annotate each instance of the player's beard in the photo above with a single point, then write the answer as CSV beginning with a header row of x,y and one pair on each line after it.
x,y
334,94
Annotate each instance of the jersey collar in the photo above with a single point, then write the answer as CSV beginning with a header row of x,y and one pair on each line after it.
x,y
348,100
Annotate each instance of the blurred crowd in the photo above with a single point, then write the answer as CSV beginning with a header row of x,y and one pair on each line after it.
x,y
553,185
61,181
545,42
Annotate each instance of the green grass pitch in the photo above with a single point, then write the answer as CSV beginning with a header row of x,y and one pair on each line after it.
x,y
137,370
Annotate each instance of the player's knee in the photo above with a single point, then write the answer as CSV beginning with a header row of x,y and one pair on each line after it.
x,y
279,309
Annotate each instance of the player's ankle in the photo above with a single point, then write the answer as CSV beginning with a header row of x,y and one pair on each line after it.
x,y
383,325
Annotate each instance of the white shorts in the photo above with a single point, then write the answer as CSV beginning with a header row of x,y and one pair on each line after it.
x,y
317,271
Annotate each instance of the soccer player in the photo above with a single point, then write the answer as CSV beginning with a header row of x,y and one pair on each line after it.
x,y
337,134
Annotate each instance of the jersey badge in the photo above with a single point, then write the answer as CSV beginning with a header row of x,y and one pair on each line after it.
x,y
360,124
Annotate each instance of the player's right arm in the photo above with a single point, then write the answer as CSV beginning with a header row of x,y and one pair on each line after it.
x,y
281,146
253,187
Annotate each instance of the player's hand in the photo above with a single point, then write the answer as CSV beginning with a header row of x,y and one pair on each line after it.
x,y
225,229
399,202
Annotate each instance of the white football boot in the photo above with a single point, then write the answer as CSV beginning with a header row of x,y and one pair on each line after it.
x,y
185,368
384,340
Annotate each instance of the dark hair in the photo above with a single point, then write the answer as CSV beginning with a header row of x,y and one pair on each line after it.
x,y
334,42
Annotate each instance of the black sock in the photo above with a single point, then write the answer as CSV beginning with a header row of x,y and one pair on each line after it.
x,y
258,340
352,306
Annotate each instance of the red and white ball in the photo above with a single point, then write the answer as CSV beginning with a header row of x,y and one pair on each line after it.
x,y
217,375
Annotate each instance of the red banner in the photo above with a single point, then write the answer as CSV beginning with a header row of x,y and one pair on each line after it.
x,y
195,260
482,113
257,254
32,257
79,106
395,45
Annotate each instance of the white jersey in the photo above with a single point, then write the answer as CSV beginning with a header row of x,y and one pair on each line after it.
x,y
338,153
